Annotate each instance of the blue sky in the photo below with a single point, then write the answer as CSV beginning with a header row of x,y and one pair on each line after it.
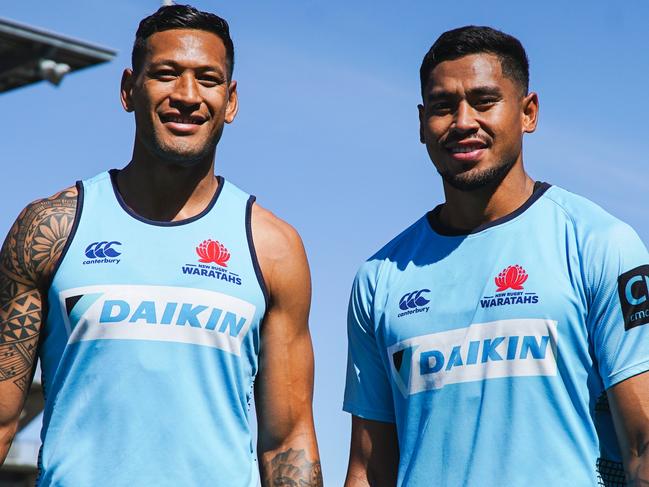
x,y
327,132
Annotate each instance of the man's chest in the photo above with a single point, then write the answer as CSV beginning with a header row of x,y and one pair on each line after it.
x,y
460,320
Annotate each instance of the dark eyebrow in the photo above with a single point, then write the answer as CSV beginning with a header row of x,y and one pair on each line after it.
x,y
473,92
485,91
175,65
439,95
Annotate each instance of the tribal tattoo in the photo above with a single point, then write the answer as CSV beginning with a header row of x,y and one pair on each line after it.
x,y
30,251
292,469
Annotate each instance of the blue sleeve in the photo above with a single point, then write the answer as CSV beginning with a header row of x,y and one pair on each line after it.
x,y
617,272
367,392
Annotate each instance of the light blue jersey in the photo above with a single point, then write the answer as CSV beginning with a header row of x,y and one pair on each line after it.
x,y
150,348
492,350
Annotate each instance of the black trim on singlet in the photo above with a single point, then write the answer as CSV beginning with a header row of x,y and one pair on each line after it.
x,y
253,252
438,227
45,303
73,231
113,180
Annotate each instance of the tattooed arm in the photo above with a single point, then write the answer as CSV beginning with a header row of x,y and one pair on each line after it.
x,y
30,251
287,448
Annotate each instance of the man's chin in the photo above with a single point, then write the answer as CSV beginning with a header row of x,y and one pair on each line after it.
x,y
478,179
183,155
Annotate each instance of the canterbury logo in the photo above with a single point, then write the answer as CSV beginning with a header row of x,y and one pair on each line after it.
x,y
213,251
511,277
414,300
102,249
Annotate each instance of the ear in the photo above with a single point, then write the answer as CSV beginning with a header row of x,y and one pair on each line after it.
x,y
126,90
422,120
233,102
530,112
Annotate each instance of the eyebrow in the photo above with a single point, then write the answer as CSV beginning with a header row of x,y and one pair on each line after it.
x,y
477,91
176,65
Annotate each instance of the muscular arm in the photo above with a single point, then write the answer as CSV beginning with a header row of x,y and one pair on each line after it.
x,y
31,249
373,454
287,448
629,402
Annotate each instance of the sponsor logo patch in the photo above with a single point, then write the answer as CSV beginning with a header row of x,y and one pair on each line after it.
x,y
156,313
482,351
509,289
105,252
414,302
212,252
633,290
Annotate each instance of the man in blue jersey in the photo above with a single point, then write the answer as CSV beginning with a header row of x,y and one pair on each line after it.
x,y
503,338
143,291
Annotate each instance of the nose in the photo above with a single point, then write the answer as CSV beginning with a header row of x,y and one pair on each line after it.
x,y
465,119
186,91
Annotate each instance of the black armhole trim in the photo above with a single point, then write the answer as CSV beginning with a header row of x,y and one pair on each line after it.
x,y
73,231
433,215
253,252
113,180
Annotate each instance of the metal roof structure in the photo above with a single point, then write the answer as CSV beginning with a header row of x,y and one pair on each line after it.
x,y
29,55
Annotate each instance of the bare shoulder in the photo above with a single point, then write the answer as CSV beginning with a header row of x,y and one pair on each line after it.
x,y
278,246
272,234
37,238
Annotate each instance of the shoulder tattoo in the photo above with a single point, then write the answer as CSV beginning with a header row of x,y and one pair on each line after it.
x,y
29,254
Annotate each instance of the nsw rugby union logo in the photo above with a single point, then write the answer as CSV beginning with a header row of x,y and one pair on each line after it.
x,y
212,251
511,277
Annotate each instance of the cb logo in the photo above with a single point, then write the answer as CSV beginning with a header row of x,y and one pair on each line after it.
x,y
102,249
414,299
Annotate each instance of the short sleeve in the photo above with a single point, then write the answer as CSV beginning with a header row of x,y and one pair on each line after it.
x,y
617,272
367,391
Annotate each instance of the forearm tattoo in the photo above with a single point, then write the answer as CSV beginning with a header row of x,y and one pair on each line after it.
x,y
291,468
31,249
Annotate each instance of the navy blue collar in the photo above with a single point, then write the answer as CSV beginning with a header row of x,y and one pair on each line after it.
x,y
113,179
438,227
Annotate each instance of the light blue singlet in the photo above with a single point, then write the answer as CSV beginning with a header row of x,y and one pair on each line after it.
x,y
151,344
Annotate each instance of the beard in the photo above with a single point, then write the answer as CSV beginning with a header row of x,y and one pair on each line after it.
x,y
179,151
474,180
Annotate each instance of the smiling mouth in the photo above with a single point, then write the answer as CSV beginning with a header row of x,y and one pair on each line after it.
x,y
182,119
182,125
463,149
466,150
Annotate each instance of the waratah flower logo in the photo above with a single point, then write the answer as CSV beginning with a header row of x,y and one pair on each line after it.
x,y
213,251
512,277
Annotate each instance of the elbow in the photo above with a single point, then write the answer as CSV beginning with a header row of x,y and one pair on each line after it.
x,y
7,433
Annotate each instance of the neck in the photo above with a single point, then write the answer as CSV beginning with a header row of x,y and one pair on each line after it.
x,y
466,210
164,191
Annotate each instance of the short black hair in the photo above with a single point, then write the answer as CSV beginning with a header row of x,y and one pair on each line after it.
x,y
181,17
472,39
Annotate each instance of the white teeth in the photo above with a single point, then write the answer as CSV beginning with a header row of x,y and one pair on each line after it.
x,y
464,149
182,120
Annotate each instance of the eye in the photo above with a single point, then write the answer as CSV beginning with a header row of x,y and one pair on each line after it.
x,y
164,75
441,107
485,102
209,81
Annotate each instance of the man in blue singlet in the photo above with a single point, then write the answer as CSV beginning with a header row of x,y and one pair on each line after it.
x,y
143,290
503,338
